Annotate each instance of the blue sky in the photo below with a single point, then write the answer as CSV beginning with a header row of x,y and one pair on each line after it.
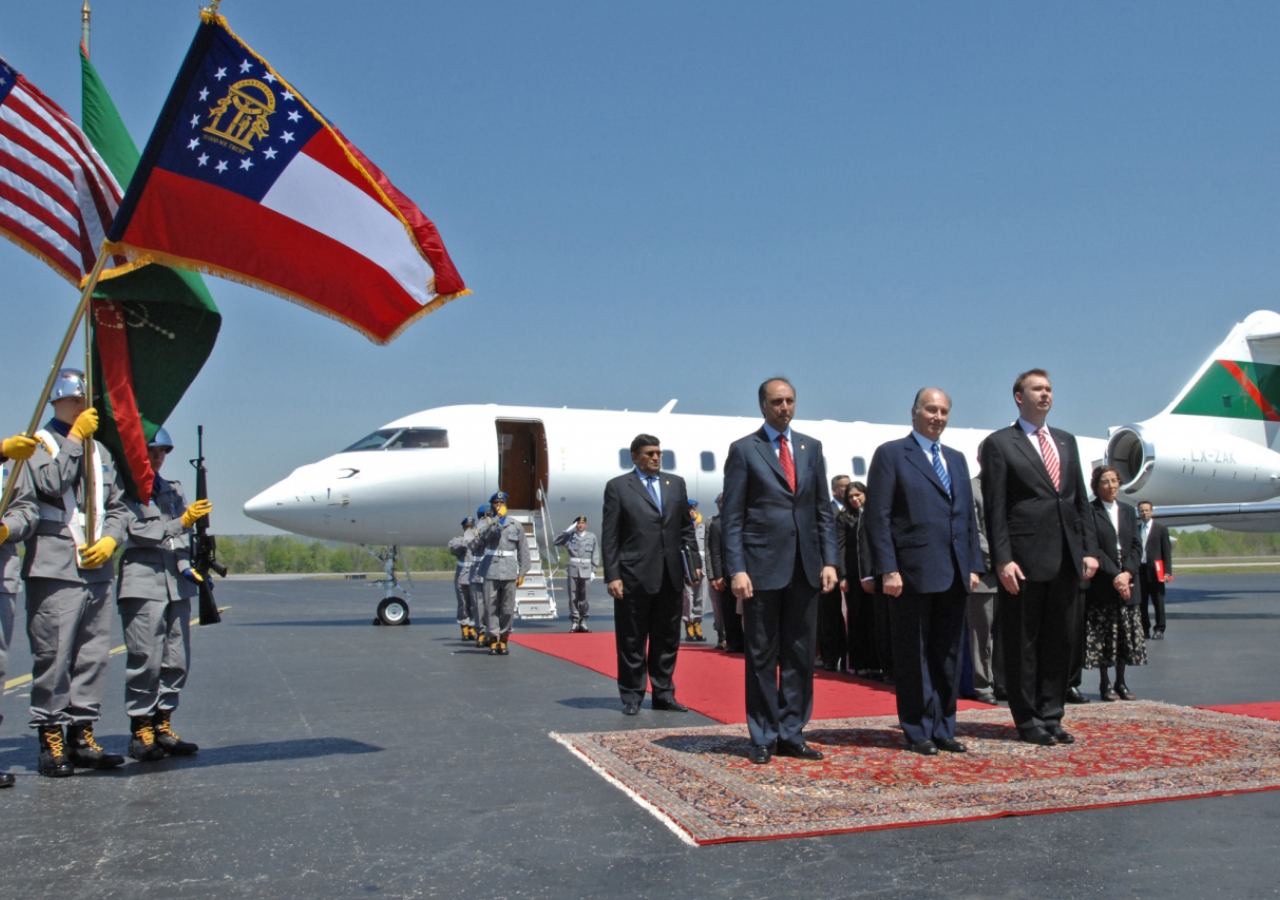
x,y
675,200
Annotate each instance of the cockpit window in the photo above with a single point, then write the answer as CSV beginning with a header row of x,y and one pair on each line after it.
x,y
418,439
373,441
402,439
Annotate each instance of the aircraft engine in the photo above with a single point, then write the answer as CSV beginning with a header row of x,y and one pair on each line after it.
x,y
1182,466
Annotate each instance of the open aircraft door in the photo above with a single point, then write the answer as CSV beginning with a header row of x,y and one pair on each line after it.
x,y
522,475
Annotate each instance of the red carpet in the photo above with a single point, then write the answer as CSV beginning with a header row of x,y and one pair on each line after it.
x,y
712,682
1257,710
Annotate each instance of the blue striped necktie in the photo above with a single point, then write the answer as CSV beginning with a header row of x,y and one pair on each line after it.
x,y
938,467
652,481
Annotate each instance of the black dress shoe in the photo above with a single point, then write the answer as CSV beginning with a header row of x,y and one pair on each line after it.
x,y
1074,696
951,745
672,705
1108,695
1060,734
800,750
583,629
631,709
924,748
6,780
830,667
735,648
1038,736
760,754
1125,693
1157,635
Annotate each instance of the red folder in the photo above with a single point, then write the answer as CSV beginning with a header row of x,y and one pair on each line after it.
x,y
1159,570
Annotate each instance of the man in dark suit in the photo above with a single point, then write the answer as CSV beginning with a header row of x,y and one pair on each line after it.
x,y
832,629
1042,539
1156,545
728,620
779,548
923,534
646,528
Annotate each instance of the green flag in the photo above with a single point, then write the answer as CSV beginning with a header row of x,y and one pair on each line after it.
x,y
154,327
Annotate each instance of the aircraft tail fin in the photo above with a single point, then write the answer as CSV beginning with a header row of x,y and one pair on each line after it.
x,y
1237,389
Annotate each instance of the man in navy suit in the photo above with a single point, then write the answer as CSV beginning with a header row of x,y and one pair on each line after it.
x,y
923,533
779,549
646,533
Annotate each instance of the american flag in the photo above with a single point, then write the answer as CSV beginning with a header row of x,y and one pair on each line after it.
x,y
57,197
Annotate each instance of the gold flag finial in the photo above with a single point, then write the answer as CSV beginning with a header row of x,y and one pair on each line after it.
x,y
85,12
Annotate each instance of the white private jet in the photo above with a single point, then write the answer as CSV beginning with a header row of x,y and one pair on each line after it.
x,y
1207,458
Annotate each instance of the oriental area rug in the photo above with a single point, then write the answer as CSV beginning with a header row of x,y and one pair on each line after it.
x,y
699,782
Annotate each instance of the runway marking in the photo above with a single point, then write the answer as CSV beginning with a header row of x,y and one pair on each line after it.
x,y
23,679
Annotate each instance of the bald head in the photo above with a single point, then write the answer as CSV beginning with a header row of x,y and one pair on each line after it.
x,y
930,412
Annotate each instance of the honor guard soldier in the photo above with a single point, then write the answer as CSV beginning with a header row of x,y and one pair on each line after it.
x,y
68,583
461,548
696,595
584,559
154,594
504,543
479,565
19,523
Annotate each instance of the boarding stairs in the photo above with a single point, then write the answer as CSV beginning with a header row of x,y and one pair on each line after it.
x,y
536,595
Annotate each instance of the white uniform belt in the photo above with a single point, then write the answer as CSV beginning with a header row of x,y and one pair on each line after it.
x,y
504,553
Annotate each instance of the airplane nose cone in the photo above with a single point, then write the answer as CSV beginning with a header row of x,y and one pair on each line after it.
x,y
270,507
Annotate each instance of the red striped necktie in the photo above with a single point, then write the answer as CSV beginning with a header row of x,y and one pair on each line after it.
x,y
1050,454
788,464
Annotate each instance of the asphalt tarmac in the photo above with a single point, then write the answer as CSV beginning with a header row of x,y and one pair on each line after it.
x,y
344,760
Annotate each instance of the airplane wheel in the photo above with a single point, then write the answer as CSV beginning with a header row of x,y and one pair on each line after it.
x,y
393,611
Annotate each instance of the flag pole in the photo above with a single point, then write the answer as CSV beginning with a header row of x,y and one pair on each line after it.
x,y
91,472
85,11
80,313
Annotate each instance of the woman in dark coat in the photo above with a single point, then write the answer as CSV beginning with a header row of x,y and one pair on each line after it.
x,y
863,658
1113,624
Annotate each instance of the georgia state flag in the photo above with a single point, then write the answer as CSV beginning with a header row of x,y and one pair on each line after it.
x,y
245,179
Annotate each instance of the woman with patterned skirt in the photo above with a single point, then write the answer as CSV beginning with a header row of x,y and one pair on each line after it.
x,y
1113,625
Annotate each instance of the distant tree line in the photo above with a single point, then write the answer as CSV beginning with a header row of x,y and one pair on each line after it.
x,y
1192,544
259,554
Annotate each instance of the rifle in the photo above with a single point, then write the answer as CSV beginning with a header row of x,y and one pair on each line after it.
x,y
204,546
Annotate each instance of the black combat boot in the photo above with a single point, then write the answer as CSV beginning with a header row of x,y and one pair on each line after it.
x,y
143,746
167,738
53,752
83,751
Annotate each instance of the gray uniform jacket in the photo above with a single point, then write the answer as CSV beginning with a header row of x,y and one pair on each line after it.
x,y
584,551
51,551
158,548
22,517
990,581
461,548
506,547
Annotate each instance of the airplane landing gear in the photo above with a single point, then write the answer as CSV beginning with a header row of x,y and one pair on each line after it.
x,y
394,609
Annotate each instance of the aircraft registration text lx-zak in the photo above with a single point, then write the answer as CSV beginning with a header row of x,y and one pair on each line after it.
x,y
1209,457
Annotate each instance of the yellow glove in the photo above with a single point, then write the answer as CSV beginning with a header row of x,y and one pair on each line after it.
x,y
520,581
197,510
99,553
85,425
4,532
18,447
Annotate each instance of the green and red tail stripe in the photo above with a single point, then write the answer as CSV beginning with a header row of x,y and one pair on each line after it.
x,y
1234,389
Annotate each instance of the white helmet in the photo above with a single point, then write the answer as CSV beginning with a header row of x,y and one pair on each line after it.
x,y
70,383
161,439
